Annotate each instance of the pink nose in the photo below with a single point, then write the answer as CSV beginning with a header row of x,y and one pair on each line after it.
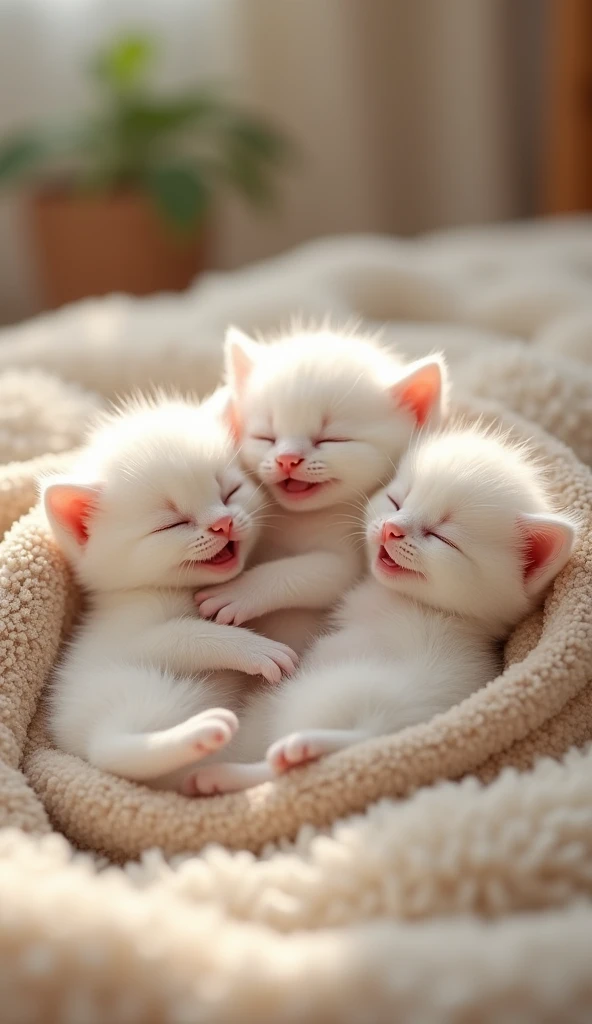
x,y
222,525
391,532
288,462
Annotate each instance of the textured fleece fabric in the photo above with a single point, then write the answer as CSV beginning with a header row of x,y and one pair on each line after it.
x,y
368,905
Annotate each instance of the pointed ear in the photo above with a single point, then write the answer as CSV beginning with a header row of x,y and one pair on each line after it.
x,y
69,507
422,390
223,406
240,355
547,545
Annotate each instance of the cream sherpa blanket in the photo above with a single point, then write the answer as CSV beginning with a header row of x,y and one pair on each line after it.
x,y
355,922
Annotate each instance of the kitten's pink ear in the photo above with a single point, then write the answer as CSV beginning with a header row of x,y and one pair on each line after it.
x,y
70,507
223,407
547,545
422,390
240,355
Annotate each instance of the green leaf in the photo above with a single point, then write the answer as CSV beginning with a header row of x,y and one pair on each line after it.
x,y
125,64
251,152
21,155
153,118
250,178
256,140
181,193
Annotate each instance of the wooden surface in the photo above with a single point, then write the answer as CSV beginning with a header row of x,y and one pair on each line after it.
x,y
568,122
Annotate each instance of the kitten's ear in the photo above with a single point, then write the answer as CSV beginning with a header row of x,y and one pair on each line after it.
x,y
223,407
70,507
422,390
547,545
240,356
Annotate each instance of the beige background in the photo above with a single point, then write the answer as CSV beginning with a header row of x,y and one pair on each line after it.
x,y
410,116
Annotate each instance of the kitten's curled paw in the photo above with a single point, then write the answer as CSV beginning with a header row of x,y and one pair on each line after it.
x,y
230,604
290,751
260,656
211,730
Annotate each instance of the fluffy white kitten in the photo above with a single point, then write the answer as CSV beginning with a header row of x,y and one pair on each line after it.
x,y
462,544
156,506
321,417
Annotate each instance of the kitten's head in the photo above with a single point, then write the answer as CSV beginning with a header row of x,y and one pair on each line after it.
x,y
321,416
466,527
157,499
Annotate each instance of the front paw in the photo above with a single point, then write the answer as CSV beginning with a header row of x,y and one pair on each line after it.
x,y
228,605
267,658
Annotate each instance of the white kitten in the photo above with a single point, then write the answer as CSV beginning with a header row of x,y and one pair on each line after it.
x,y
155,507
321,417
462,544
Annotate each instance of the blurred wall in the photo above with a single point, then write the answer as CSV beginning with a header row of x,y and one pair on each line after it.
x,y
413,116
409,116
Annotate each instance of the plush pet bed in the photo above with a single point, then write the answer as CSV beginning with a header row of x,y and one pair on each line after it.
x,y
300,931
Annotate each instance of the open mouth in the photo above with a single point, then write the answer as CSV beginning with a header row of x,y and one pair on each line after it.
x,y
300,489
222,561
392,568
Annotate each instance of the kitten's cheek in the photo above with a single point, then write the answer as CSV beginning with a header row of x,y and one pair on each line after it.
x,y
373,533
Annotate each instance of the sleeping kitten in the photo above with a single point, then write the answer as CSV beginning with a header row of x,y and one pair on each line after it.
x,y
321,417
462,545
155,507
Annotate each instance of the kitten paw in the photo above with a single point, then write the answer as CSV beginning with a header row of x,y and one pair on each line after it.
x,y
213,779
296,749
267,658
211,730
201,782
229,605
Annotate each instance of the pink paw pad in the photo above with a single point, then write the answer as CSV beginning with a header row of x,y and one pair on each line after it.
x,y
292,752
199,784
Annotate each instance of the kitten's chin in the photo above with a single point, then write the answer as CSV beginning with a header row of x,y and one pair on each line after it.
x,y
386,570
227,561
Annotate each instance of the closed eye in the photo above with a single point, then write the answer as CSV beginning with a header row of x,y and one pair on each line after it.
x,y
332,440
393,502
172,526
231,493
263,437
438,536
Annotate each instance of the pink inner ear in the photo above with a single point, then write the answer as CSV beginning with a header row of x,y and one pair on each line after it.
x,y
420,393
231,418
541,547
73,509
240,358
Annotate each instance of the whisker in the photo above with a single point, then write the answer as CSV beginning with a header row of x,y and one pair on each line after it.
x,y
257,489
348,393
235,456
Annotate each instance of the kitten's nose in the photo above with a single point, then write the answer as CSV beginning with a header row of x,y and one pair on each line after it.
x,y
288,462
222,525
391,532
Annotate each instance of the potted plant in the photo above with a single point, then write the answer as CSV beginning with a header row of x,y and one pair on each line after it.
x,y
123,197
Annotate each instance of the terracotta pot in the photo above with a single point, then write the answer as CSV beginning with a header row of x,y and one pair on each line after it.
x,y
94,245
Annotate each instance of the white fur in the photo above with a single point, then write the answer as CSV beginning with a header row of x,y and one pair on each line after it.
x,y
347,409
407,647
127,696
